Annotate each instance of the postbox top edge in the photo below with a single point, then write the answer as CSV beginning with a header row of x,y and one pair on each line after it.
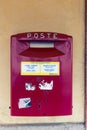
x,y
50,36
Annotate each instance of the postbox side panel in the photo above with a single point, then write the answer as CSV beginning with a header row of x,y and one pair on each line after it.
x,y
29,95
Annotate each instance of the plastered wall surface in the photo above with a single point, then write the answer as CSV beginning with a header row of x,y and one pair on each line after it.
x,y
51,16
45,127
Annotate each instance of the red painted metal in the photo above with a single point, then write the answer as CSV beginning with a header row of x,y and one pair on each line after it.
x,y
56,102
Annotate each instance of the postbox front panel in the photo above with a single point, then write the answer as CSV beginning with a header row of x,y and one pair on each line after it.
x,y
41,84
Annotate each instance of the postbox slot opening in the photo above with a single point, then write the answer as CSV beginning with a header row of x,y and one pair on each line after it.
x,y
41,44
41,49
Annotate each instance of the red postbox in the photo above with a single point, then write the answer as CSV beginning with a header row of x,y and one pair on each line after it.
x,y
41,77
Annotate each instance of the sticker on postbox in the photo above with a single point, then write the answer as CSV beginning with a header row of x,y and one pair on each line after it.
x,y
40,68
24,103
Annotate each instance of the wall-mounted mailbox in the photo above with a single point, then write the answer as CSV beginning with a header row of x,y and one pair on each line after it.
x,y
41,74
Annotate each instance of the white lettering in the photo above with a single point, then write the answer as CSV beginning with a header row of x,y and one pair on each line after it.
x,y
55,35
36,35
42,35
28,35
48,34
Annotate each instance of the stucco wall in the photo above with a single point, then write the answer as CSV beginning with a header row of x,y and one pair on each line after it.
x,y
46,127
61,16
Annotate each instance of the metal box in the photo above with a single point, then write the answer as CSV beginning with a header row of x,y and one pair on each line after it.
x,y
41,77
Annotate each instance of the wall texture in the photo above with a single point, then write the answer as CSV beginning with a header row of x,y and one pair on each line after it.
x,y
61,16
46,127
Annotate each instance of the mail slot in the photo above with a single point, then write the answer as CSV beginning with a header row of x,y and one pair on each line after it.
x,y
41,74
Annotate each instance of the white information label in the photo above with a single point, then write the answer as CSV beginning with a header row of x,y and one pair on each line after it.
x,y
40,68
49,68
30,68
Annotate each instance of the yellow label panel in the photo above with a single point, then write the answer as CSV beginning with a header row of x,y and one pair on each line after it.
x,y
40,68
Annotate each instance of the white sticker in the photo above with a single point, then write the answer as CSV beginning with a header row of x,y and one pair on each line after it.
x,y
24,103
30,68
40,68
29,87
49,68
46,86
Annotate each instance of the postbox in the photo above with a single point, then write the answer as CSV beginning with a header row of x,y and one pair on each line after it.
x,y
41,74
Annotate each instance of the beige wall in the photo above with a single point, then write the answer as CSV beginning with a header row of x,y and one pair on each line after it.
x,y
63,16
